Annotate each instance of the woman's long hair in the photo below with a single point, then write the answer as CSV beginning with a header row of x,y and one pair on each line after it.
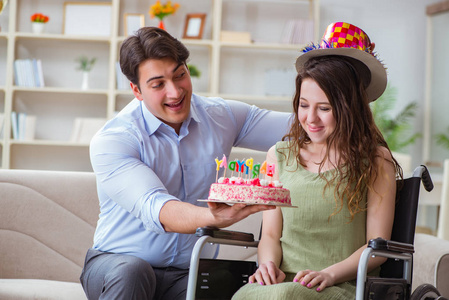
x,y
356,137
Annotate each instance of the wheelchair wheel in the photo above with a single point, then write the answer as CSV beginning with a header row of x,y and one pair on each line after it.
x,y
425,292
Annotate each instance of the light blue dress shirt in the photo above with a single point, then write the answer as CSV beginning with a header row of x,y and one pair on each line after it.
x,y
141,163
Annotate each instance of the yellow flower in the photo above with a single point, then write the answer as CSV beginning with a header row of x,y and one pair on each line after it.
x,y
162,10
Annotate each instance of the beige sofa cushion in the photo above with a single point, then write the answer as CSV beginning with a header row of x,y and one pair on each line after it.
x,y
25,289
431,262
47,222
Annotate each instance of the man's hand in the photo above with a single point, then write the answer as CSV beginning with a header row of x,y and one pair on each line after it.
x,y
267,274
225,215
181,217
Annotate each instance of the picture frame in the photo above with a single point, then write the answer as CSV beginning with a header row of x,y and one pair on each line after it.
x,y
194,26
133,22
87,18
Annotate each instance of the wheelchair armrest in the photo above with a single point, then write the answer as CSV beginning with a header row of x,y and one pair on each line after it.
x,y
387,245
224,234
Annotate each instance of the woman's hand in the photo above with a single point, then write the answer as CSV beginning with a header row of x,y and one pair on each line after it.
x,y
267,274
310,279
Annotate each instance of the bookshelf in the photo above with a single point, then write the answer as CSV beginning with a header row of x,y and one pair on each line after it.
x,y
231,70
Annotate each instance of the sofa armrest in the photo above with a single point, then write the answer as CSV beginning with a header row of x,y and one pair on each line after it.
x,y
431,262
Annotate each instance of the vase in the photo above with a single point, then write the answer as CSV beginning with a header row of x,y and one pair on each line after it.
x,y
38,27
161,25
85,83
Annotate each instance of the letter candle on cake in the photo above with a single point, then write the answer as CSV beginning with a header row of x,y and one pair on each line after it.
x,y
224,165
263,168
270,170
252,191
249,165
256,170
240,166
218,162
231,167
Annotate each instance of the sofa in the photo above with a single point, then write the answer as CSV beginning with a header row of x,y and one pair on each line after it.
x,y
47,222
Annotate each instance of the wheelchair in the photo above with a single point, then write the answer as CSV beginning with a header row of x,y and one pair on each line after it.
x,y
220,279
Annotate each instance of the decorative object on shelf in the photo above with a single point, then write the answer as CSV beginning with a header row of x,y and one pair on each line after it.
x,y
84,129
443,139
160,11
23,126
2,7
133,22
241,37
297,31
85,65
38,22
194,71
28,72
195,74
87,18
396,130
194,25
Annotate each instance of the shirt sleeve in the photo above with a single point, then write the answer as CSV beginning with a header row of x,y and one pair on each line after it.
x,y
125,179
259,128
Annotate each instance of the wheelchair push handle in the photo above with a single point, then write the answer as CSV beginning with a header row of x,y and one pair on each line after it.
x,y
423,173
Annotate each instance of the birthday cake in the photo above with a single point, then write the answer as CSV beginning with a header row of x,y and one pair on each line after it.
x,y
236,189
250,190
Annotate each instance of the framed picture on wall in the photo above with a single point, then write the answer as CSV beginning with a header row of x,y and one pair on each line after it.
x,y
194,25
87,18
133,22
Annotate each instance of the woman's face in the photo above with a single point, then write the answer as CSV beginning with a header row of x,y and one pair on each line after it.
x,y
315,112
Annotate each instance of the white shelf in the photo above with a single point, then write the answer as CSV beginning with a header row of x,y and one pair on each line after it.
x,y
62,37
61,102
61,90
48,143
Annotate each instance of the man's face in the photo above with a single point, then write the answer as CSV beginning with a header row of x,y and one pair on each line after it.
x,y
165,89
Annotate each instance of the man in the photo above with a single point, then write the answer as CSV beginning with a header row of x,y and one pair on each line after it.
x,y
153,161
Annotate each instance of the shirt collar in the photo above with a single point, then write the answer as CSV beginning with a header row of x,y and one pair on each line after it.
x,y
152,124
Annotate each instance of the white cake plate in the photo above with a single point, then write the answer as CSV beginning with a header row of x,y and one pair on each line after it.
x,y
237,202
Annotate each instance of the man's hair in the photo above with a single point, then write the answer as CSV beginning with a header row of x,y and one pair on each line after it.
x,y
149,43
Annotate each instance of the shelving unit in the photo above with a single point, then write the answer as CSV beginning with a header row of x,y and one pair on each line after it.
x,y
229,70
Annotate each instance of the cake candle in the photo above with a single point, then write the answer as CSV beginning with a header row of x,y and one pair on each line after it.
x,y
224,165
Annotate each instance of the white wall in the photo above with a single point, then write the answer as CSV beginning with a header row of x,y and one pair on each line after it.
x,y
398,28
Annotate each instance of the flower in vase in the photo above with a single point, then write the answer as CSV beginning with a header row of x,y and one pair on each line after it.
x,y
160,10
85,64
39,18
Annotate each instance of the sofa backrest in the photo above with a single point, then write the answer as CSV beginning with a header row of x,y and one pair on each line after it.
x,y
47,223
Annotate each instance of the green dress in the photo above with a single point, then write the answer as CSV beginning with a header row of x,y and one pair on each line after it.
x,y
311,237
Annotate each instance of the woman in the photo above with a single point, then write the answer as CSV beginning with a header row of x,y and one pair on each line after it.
x,y
340,173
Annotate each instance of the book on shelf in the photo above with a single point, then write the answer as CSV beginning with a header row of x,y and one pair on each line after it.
x,y
235,36
28,73
298,31
23,126
85,128
122,81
